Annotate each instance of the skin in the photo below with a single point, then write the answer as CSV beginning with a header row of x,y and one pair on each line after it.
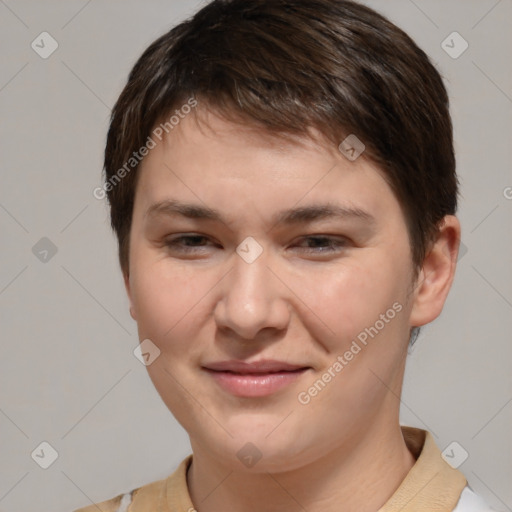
x,y
296,303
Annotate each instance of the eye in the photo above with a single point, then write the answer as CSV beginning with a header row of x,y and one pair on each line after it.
x,y
195,243
323,244
187,243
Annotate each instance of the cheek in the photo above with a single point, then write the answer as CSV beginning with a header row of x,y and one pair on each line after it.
x,y
350,299
165,301
364,305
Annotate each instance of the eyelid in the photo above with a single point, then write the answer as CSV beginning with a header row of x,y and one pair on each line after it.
x,y
334,243
186,236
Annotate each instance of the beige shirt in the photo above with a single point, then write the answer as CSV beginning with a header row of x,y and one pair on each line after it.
x,y
431,485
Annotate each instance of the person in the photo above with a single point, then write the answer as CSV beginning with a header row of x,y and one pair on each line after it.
x,y
281,180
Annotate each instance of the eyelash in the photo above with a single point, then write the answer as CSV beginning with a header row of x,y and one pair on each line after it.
x,y
334,244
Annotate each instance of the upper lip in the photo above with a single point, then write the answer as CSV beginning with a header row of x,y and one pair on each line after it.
x,y
264,366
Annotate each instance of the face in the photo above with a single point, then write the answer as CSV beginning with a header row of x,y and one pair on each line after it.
x,y
275,278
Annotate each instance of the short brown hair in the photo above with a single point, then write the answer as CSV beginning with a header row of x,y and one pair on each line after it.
x,y
288,65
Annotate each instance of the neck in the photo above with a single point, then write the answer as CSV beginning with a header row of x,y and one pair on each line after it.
x,y
356,478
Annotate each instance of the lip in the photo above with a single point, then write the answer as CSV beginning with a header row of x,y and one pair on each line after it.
x,y
256,379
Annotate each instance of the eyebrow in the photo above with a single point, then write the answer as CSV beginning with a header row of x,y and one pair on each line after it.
x,y
302,214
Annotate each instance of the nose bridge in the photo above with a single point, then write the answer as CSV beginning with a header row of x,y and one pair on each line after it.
x,y
252,300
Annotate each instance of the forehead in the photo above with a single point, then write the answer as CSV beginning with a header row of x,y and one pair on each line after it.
x,y
224,165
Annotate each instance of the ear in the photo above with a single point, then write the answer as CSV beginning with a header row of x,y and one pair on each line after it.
x,y
436,276
127,285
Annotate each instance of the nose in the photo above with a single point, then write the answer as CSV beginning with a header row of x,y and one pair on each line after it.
x,y
253,301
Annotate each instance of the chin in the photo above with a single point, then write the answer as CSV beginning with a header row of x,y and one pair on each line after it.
x,y
261,447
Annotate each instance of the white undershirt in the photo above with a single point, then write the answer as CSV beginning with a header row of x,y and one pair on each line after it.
x,y
470,502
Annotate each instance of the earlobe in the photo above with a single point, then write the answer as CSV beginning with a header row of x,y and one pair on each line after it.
x,y
127,286
437,274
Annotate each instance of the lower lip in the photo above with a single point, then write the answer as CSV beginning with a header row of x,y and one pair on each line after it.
x,y
254,385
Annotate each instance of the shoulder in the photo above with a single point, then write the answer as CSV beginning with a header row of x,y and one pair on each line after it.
x,y
111,505
145,497
471,502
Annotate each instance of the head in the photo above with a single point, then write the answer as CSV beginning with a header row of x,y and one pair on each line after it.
x,y
247,121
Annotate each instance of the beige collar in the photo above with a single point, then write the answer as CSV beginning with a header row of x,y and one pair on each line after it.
x,y
432,485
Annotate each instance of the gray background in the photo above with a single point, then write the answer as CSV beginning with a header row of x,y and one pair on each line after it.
x,y
68,375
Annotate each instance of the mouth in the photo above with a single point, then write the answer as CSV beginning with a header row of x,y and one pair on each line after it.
x,y
257,379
